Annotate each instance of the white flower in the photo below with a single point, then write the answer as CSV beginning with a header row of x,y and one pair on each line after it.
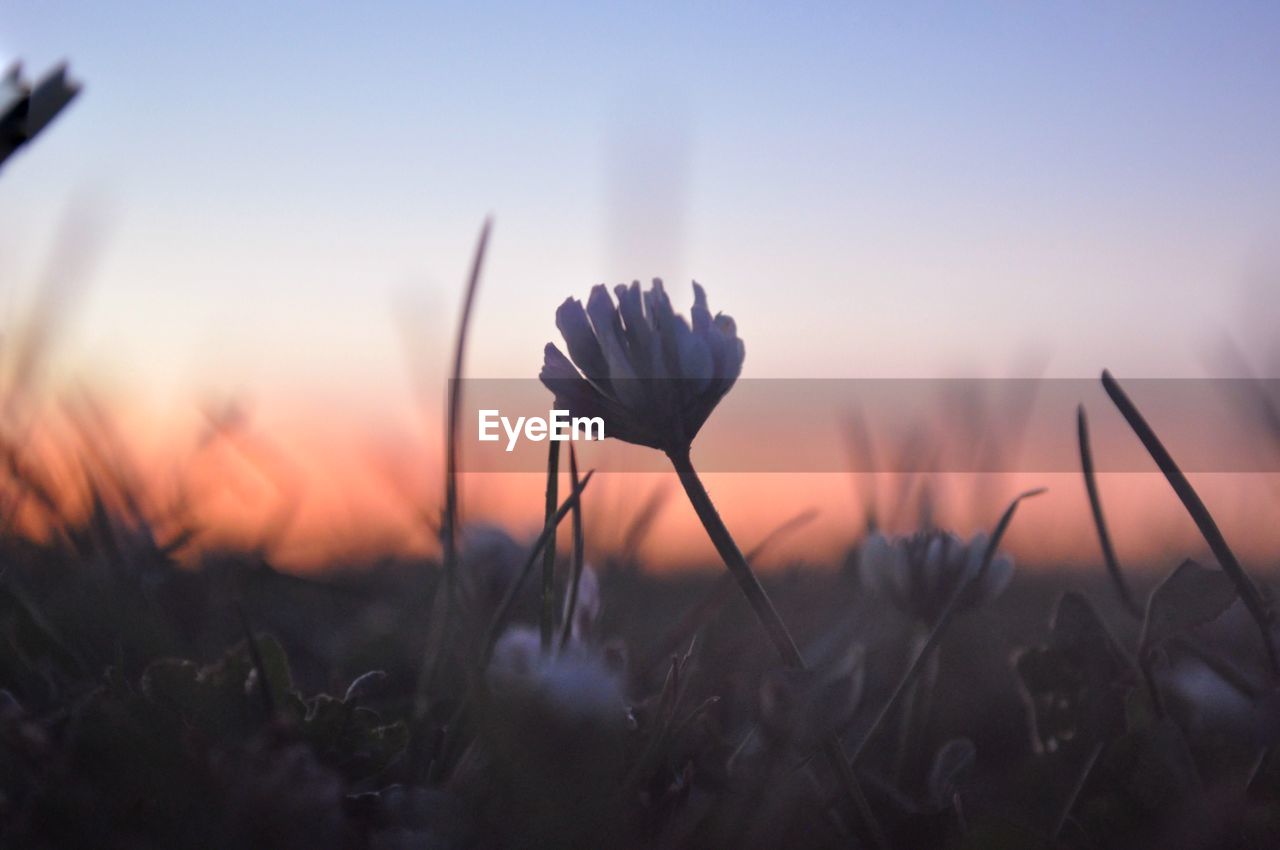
x,y
920,573
574,686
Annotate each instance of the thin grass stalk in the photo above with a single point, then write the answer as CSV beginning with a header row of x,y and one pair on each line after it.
x,y
862,457
490,639
1256,769
733,559
579,560
255,656
12,596
906,715
449,518
1069,805
715,596
673,689
784,528
1146,665
547,620
508,600
1123,590
1221,666
944,620
773,625
1253,601
643,522
1262,397
833,751
917,706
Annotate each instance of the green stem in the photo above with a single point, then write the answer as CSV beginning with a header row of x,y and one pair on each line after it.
x,y
1076,789
548,618
513,590
732,556
496,624
1127,598
910,709
427,680
575,575
769,618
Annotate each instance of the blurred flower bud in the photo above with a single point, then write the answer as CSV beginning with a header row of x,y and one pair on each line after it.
x,y
920,573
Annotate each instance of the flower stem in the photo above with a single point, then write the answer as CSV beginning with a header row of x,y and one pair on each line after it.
x,y
777,630
575,576
547,619
734,560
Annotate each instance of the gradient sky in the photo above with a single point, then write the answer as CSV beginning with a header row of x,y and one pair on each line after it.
x,y
285,196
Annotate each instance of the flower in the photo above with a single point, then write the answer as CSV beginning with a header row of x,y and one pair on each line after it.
x,y
652,377
552,738
920,573
575,686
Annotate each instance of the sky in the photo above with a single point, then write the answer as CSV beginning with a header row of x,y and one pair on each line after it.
x,y
281,200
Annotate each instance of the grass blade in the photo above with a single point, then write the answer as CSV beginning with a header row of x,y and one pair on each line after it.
x,y
643,522
430,673
1253,601
944,619
255,655
449,735
862,459
1099,522
773,625
547,620
717,595
579,561
509,598
1069,805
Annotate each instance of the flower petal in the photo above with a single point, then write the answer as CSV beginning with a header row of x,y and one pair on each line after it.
x,y
572,391
882,567
581,398
638,332
608,328
729,351
574,326
700,314
556,367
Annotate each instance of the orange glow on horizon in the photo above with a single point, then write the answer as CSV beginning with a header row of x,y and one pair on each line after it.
x,y
313,486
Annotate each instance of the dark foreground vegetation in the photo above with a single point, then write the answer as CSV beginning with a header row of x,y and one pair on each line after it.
x,y
146,705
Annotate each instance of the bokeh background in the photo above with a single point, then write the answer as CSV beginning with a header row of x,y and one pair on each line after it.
x,y
269,210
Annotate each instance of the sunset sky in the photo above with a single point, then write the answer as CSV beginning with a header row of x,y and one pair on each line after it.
x,y
277,202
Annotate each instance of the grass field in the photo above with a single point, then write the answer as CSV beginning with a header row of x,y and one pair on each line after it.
x,y
923,692
159,691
